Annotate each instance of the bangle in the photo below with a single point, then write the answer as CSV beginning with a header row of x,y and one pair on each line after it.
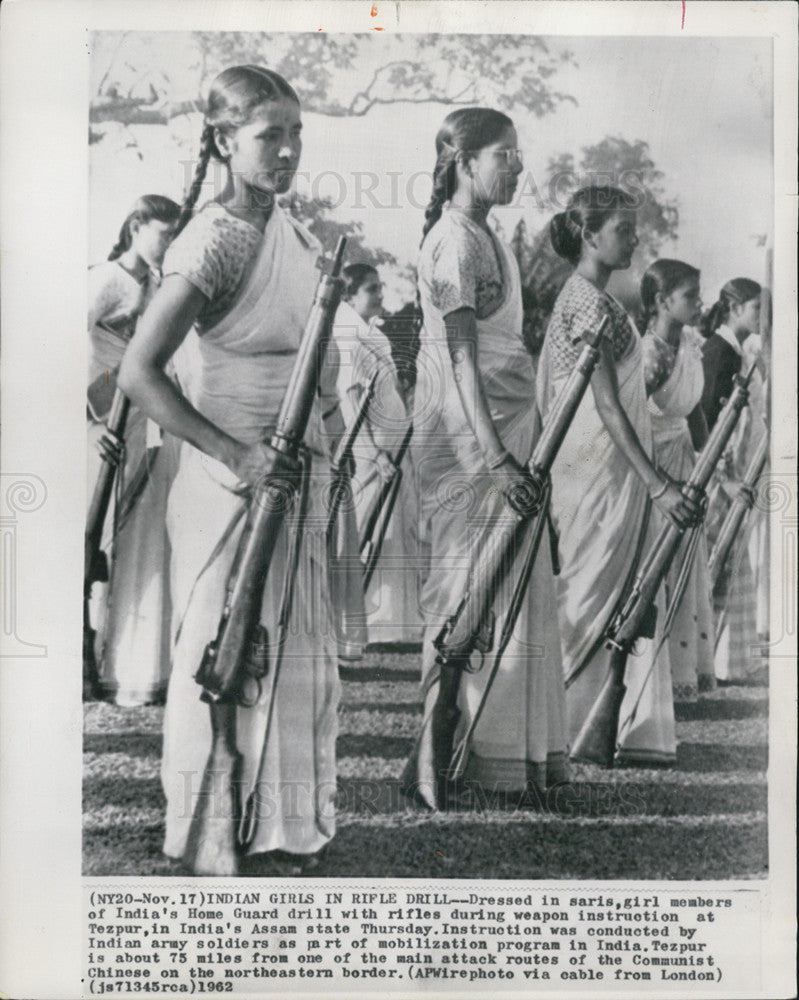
x,y
497,460
659,493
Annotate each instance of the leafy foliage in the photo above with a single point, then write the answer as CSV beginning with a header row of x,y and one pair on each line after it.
x,y
327,71
614,161
315,214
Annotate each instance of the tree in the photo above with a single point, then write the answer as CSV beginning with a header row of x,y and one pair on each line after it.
x,y
627,165
314,213
324,69
140,82
612,161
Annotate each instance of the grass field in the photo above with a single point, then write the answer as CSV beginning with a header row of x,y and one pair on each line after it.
x,y
704,819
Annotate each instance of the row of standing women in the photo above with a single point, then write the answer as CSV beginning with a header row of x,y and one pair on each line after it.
x,y
226,322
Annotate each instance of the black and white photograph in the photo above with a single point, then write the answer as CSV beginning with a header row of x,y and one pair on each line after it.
x,y
500,155
432,446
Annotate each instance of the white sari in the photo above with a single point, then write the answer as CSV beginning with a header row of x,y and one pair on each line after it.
x,y
131,612
691,636
391,602
519,739
599,509
245,362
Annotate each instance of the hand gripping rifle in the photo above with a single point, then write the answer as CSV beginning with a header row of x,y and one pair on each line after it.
x,y
433,764
232,659
377,520
596,742
95,563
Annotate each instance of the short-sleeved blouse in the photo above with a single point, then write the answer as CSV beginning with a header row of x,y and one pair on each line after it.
x,y
215,252
460,265
580,307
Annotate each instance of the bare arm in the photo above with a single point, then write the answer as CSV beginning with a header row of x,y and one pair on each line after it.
x,y
513,479
161,330
462,343
605,388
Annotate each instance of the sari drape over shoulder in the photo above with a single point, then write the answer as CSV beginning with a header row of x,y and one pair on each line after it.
x,y
519,739
244,361
600,510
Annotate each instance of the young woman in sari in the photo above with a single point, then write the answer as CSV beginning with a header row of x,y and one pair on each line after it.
x,y
242,272
131,613
475,425
391,605
729,326
605,474
672,351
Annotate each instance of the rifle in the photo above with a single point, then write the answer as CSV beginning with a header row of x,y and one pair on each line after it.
x,y
342,461
95,562
432,766
377,520
238,654
731,528
739,509
596,742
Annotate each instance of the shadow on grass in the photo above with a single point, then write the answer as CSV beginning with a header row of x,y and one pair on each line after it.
x,y
470,850
706,757
129,744
362,674
717,709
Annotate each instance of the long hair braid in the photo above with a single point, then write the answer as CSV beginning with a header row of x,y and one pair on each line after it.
x,y
145,209
207,148
233,97
464,131
443,188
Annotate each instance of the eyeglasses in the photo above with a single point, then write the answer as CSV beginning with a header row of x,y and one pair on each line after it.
x,y
510,155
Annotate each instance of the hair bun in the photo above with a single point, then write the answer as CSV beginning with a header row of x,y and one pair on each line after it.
x,y
565,236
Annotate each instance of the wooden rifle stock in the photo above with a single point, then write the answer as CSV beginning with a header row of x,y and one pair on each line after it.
x,y
227,662
377,520
427,773
597,740
95,563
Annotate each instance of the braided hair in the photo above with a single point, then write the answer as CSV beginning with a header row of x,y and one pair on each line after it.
x,y
589,209
663,277
146,208
467,130
233,97
736,292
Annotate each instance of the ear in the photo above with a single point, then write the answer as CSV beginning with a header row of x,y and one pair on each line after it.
x,y
588,237
222,141
736,308
134,226
464,161
660,300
